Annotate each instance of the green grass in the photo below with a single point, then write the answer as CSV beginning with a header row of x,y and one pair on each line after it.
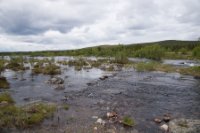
x,y
23,117
172,49
194,71
16,63
15,66
128,121
4,83
156,66
145,66
6,97
66,107
49,69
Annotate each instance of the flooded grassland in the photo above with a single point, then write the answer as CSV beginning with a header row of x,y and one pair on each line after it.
x,y
100,95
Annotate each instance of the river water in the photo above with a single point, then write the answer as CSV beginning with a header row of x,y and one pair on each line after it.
x,y
140,95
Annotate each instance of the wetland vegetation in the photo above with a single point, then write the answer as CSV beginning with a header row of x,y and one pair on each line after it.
x,y
80,86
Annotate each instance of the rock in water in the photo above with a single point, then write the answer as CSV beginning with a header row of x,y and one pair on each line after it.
x,y
166,118
100,121
56,80
184,126
103,77
111,114
164,127
60,87
156,120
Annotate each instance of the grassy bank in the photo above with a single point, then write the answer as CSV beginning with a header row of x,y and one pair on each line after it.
x,y
12,116
157,66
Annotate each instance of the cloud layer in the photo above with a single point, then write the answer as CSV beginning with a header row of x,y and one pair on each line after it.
x,y
27,25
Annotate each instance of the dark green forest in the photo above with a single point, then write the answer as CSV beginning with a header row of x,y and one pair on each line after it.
x,y
171,49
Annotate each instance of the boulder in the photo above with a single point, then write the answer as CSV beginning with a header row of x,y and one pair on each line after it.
x,y
111,114
166,118
60,87
56,80
164,127
197,77
103,77
184,126
100,121
156,120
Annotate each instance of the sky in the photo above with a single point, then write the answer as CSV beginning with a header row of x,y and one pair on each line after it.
x,y
31,25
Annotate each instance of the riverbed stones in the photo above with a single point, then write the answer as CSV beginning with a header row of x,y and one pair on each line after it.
x,y
58,83
60,87
26,99
101,121
197,77
157,120
166,118
111,114
184,126
164,127
55,80
103,77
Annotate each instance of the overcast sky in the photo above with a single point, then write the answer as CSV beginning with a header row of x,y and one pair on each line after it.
x,y
27,25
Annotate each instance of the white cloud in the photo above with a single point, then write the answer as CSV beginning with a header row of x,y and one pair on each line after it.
x,y
68,24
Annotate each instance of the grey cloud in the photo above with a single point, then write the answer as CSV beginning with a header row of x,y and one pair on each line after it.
x,y
54,24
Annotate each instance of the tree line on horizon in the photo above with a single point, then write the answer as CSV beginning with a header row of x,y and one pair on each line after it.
x,y
156,51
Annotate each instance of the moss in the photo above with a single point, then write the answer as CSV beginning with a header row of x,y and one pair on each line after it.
x,y
156,66
194,71
128,121
63,62
37,113
183,124
49,69
4,83
6,97
77,62
66,107
16,63
22,117
146,66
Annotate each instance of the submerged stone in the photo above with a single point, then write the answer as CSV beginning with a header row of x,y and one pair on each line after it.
x,y
55,80
184,126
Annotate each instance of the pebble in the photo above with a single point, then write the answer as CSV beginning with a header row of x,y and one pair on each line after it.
x,y
100,121
164,127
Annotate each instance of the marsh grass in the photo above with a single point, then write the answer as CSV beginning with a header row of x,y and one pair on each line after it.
x,y
146,66
6,97
16,63
4,83
157,66
23,117
48,69
128,121
66,106
194,71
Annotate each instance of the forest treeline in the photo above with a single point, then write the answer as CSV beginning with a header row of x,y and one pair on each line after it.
x,y
155,50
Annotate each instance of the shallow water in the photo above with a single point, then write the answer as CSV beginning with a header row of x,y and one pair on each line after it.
x,y
141,95
23,85
187,63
